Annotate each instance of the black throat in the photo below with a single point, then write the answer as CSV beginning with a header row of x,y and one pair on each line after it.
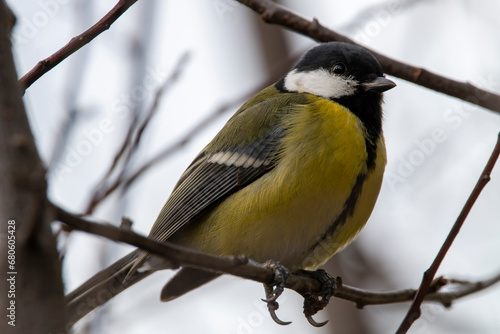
x,y
368,108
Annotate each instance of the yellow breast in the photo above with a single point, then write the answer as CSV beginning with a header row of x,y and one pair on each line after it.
x,y
289,213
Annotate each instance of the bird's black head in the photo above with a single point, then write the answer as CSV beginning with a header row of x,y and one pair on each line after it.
x,y
336,70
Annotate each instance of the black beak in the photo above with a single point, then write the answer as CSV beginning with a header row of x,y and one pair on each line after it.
x,y
380,84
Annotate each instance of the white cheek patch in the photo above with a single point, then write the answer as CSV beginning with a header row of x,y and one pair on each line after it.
x,y
320,82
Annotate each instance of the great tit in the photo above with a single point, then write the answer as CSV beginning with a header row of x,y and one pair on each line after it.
x,y
292,177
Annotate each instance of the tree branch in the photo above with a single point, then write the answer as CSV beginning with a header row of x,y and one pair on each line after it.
x,y
75,44
275,14
241,266
31,281
414,312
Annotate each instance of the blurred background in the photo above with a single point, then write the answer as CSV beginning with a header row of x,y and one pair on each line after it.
x,y
200,60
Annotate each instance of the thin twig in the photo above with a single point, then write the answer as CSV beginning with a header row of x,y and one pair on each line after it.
x,y
414,311
275,14
242,267
75,44
131,142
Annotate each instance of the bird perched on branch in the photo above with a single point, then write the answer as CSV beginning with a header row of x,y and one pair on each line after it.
x,y
292,177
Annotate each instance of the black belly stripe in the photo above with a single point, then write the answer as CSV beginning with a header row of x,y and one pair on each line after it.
x,y
350,203
348,211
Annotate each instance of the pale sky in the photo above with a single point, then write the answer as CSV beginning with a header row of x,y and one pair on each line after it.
x,y
437,145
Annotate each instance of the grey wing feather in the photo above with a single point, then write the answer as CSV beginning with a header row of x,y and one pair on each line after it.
x,y
212,177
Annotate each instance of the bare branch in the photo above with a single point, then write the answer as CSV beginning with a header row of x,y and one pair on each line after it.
x,y
131,142
75,44
241,266
414,311
275,14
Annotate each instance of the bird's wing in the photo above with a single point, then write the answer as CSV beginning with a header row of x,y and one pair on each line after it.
x,y
246,148
214,176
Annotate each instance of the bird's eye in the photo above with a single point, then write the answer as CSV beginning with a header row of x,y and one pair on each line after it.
x,y
339,68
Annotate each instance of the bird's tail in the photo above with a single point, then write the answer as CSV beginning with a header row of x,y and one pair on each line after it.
x,y
114,279
185,280
103,286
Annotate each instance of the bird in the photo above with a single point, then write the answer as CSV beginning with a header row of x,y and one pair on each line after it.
x,y
292,177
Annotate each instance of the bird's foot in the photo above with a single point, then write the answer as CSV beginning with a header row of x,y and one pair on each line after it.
x,y
315,302
275,289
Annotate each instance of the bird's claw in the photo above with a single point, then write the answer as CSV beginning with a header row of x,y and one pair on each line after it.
x,y
275,289
314,302
314,323
272,307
